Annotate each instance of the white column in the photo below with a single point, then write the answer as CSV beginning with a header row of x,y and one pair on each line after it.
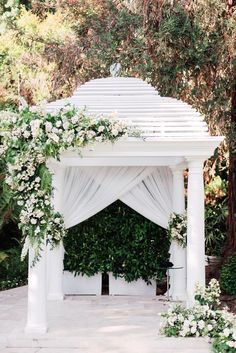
x,y
37,294
195,233
55,256
178,253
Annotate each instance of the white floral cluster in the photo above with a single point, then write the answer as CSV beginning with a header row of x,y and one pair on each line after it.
x,y
202,320
226,342
177,228
27,140
209,295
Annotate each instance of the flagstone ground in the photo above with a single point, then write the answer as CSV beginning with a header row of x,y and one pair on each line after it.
x,y
86,324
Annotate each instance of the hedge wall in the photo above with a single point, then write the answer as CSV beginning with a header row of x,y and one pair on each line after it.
x,y
117,240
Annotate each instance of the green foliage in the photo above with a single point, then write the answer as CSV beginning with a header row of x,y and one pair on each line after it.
x,y
228,276
13,271
117,240
215,228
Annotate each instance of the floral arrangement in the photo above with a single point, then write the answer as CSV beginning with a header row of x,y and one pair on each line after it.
x,y
177,228
27,139
203,319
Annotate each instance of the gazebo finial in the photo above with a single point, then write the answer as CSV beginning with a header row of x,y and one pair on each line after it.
x,y
115,69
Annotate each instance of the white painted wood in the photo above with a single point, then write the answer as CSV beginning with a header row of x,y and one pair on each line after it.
x,y
82,285
118,286
136,101
37,294
55,256
195,233
178,258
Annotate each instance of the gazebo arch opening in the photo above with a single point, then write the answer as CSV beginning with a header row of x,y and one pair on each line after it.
x,y
146,172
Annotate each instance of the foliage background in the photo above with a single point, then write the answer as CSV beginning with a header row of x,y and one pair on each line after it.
x,y
185,48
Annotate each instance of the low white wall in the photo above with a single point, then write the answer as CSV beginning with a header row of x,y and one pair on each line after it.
x,y
82,284
120,287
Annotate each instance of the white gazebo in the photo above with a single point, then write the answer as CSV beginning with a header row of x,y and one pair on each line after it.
x,y
144,172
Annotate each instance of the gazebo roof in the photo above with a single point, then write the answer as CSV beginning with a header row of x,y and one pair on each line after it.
x,y
138,103
171,130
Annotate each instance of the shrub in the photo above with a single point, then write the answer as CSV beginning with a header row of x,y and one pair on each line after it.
x,y
117,240
228,276
13,271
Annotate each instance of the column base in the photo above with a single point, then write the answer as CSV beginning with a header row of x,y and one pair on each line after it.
x,y
179,297
55,296
38,329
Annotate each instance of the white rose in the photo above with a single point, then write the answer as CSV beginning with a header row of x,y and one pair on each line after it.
x,y
57,220
20,203
58,123
193,329
33,221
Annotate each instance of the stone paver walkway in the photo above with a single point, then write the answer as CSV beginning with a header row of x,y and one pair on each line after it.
x,y
82,324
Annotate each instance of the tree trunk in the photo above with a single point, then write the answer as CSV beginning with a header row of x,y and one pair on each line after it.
x,y
230,244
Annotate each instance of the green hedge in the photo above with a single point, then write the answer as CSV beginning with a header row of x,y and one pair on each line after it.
x,y
117,240
228,276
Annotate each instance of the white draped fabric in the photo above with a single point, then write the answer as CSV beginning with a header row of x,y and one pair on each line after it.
x,y
88,190
152,198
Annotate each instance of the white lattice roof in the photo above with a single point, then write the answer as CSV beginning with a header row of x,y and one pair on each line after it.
x,y
137,102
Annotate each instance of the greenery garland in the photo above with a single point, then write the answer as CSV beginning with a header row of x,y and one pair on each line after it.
x,y
28,139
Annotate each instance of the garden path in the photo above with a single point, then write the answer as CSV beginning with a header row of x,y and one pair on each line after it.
x,y
85,324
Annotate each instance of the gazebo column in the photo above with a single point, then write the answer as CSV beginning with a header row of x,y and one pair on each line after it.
x,y
178,253
37,293
55,256
195,232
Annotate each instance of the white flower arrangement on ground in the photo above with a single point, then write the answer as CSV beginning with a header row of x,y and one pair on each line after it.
x,y
177,228
203,319
27,139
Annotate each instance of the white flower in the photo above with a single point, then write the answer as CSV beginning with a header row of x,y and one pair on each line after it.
x,y
231,344
201,324
226,332
35,127
57,220
33,221
54,137
75,119
114,132
58,123
193,329
48,126
20,203
101,128
66,125
209,327
26,134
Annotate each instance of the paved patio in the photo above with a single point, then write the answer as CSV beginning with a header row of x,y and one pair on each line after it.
x,y
85,324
